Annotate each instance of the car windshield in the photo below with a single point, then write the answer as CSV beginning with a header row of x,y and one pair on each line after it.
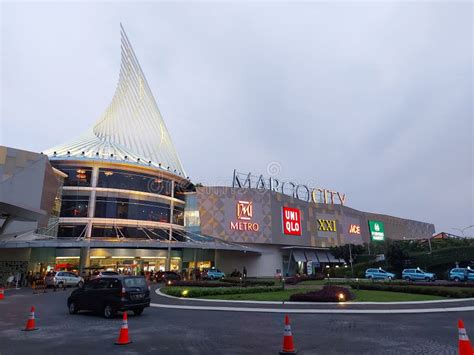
x,y
135,282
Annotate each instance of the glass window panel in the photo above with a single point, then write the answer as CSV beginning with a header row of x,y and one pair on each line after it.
x,y
74,206
118,179
123,208
76,176
71,231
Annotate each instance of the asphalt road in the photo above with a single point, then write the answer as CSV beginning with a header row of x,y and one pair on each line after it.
x,y
168,331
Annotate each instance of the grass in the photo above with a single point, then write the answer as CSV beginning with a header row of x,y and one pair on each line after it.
x,y
361,296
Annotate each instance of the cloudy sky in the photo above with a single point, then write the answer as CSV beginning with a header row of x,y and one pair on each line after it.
x,y
371,99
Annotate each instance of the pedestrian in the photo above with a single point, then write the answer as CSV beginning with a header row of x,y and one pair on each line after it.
x,y
245,272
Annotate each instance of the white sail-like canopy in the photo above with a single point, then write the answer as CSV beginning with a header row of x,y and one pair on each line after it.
x,y
131,129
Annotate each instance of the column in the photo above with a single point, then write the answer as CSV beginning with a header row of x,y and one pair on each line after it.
x,y
170,235
84,260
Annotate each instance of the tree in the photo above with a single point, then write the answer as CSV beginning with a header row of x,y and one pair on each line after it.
x,y
396,256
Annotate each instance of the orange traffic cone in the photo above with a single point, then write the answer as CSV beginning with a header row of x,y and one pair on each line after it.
x,y
2,293
30,323
464,345
288,346
123,338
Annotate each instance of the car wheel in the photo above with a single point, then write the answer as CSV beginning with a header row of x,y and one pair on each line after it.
x,y
80,284
138,311
407,279
108,311
457,279
73,308
61,284
389,278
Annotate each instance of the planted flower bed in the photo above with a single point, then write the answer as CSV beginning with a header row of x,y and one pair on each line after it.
x,y
204,291
328,293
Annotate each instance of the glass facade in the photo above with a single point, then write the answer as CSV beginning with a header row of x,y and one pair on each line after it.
x,y
127,208
74,206
76,176
71,231
119,179
117,232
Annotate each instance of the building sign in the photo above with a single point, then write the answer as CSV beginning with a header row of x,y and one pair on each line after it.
x,y
299,191
377,231
327,225
354,229
291,221
244,211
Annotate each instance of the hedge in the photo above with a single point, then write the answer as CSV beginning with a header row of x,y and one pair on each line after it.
x,y
211,291
293,280
201,284
248,282
329,293
433,290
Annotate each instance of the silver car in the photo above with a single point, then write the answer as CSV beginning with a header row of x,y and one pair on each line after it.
x,y
63,279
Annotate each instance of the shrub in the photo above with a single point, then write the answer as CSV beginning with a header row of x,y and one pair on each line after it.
x,y
329,293
201,284
248,282
424,290
211,291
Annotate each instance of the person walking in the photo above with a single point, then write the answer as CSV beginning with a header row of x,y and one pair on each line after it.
x,y
244,273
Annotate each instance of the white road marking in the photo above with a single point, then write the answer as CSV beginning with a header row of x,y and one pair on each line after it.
x,y
316,311
158,292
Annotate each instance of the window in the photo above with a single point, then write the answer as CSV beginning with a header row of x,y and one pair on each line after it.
x,y
118,179
76,176
113,232
71,231
135,282
74,206
178,215
124,208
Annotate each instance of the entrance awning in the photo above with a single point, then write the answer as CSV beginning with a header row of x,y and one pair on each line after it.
x,y
322,256
298,255
310,255
332,259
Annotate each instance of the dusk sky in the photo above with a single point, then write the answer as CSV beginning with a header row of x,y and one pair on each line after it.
x,y
373,99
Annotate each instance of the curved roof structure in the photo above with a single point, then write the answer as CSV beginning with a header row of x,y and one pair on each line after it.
x,y
131,129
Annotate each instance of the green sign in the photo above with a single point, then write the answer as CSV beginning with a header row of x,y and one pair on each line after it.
x,y
377,231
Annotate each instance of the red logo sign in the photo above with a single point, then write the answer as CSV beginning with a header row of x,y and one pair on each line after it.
x,y
354,229
291,221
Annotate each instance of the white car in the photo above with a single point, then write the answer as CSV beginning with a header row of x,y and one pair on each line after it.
x,y
62,279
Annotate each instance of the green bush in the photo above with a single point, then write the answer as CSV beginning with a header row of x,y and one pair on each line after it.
x,y
443,256
203,291
424,290
329,293
248,282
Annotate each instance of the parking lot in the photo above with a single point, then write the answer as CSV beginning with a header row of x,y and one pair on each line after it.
x,y
171,331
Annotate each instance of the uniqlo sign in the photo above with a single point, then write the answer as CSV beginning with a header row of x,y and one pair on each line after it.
x,y
291,221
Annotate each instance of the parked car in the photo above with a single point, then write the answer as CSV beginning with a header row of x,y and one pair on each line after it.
x,y
170,276
461,274
378,274
63,279
213,274
110,294
417,275
104,273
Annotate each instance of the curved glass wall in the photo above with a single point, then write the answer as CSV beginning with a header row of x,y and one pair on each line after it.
x,y
74,206
76,176
178,215
119,179
72,231
127,208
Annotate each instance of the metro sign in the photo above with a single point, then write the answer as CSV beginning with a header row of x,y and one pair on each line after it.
x,y
354,229
244,211
291,221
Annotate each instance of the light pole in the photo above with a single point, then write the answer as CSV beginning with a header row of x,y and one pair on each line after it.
x,y
463,229
350,260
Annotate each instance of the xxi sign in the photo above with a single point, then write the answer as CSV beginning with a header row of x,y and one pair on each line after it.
x,y
327,225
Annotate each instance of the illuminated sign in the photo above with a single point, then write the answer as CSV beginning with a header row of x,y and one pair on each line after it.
x,y
327,225
244,211
291,221
354,229
299,191
377,231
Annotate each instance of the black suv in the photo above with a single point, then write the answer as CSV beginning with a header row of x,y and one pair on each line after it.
x,y
109,294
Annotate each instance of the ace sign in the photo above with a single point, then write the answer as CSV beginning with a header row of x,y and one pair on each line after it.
x,y
291,221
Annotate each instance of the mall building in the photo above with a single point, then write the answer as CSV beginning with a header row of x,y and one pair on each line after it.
x,y
118,197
